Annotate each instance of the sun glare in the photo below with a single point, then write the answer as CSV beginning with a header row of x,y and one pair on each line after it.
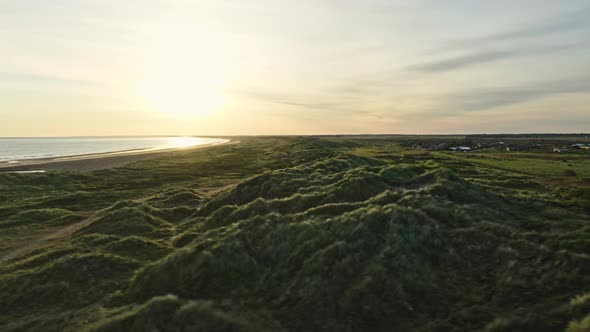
x,y
185,142
185,74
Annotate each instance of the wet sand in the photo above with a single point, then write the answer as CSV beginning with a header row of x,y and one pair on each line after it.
x,y
87,163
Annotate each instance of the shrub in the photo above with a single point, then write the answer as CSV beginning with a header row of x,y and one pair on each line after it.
x,y
579,326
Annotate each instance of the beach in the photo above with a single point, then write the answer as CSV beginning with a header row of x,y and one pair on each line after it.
x,y
94,162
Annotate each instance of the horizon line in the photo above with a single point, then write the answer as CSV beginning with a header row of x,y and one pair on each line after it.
x,y
304,135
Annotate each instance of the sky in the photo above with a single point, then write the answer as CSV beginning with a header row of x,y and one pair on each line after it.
x,y
267,67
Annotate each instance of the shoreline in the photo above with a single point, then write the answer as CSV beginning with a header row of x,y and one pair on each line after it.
x,y
98,161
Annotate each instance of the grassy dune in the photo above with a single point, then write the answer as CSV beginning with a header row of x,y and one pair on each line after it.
x,y
301,234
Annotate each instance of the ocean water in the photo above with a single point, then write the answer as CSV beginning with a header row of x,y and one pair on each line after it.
x,y
15,149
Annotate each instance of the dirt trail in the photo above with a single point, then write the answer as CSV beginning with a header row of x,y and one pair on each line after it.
x,y
48,239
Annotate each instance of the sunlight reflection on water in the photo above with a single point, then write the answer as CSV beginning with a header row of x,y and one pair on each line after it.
x,y
185,142
13,150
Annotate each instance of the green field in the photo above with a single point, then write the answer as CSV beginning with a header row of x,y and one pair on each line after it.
x,y
335,233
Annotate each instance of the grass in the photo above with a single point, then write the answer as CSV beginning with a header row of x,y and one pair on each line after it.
x,y
545,168
301,234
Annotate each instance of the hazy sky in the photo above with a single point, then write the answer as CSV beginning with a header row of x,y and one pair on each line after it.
x,y
134,67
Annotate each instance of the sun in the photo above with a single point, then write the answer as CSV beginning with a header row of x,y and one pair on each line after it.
x,y
185,74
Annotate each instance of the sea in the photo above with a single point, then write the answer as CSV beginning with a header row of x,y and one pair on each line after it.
x,y
13,150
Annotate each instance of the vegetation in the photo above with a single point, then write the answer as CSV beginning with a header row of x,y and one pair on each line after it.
x,y
301,234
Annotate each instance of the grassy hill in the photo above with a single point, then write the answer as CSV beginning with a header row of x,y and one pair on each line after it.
x,y
301,234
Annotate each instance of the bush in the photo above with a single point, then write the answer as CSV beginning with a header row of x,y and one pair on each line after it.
x,y
321,240
579,326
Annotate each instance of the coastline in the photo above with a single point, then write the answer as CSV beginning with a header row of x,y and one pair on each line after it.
x,y
98,161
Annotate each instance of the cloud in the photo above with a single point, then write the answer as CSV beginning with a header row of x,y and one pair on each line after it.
x,y
462,61
484,99
26,78
289,100
487,100
509,44
320,106
323,104
483,57
566,22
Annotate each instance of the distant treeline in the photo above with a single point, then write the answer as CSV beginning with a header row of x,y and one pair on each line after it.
x,y
499,136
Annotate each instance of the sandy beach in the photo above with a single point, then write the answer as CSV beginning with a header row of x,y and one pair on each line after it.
x,y
87,163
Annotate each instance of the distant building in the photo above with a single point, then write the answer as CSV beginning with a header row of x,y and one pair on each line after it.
x,y
518,148
442,146
464,149
561,150
579,146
